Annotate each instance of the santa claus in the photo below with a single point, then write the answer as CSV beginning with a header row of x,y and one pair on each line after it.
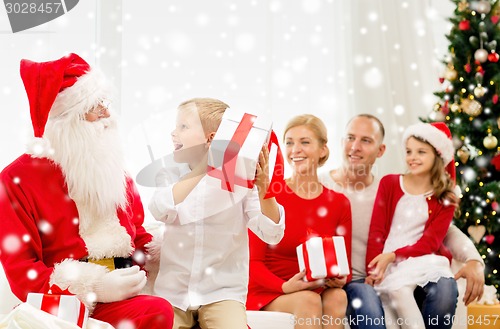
x,y
69,213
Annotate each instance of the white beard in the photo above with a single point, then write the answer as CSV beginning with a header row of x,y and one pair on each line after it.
x,y
91,158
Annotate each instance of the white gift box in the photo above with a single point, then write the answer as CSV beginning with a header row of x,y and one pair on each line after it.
x,y
323,258
65,307
234,151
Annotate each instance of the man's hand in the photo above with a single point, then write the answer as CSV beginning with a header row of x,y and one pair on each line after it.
x,y
473,272
296,283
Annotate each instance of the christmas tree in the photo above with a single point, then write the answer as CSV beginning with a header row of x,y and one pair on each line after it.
x,y
469,104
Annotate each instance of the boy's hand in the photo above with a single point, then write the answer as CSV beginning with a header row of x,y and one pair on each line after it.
x,y
262,171
269,206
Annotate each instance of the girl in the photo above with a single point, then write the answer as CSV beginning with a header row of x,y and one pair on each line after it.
x,y
411,216
275,281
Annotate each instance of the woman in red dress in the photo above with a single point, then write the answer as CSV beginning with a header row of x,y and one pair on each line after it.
x,y
276,283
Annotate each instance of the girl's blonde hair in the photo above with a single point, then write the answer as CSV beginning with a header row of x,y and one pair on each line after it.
x,y
314,124
210,111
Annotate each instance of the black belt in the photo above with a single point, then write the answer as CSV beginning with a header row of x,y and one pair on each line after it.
x,y
111,263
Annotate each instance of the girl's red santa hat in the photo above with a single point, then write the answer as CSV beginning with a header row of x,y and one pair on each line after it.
x,y
67,86
439,136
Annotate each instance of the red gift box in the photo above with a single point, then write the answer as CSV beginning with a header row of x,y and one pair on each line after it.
x,y
63,305
234,151
323,258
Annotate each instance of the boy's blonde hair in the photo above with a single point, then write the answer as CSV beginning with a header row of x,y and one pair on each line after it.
x,y
314,124
210,111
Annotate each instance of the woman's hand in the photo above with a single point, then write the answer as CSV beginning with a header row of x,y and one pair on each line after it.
x,y
296,283
336,282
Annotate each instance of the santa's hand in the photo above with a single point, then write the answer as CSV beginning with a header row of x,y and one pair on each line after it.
x,y
120,284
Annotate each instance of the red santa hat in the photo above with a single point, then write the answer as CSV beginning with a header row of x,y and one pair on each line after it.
x,y
66,85
439,136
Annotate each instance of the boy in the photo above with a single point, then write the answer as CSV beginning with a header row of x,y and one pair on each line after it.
x,y
204,257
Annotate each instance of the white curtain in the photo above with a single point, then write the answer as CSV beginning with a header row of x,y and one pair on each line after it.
x,y
280,58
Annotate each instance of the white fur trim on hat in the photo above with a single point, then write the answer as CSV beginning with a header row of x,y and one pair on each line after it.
x,y
39,148
88,90
435,137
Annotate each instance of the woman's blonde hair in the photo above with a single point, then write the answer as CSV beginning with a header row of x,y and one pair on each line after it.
x,y
210,111
314,124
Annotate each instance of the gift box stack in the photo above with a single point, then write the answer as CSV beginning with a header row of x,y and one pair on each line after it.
x,y
63,305
323,258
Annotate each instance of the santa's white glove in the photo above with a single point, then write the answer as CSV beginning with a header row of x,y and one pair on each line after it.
x,y
120,284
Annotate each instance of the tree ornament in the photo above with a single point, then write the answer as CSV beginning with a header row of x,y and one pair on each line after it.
x,y
474,41
463,5
490,141
493,57
498,121
445,109
471,107
464,25
494,206
437,116
494,19
479,91
454,107
463,154
494,99
489,238
496,162
481,55
476,232
450,73
482,7
457,143
467,68
492,45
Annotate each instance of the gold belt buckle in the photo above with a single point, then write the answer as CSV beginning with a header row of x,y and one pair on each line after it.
x,y
108,262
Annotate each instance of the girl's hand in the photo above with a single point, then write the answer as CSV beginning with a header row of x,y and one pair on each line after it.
x,y
369,280
379,265
336,282
296,283
262,171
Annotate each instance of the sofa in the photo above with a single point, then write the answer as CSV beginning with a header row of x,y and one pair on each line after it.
x,y
256,319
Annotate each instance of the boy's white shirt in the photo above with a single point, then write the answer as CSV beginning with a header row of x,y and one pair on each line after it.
x,y
204,256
